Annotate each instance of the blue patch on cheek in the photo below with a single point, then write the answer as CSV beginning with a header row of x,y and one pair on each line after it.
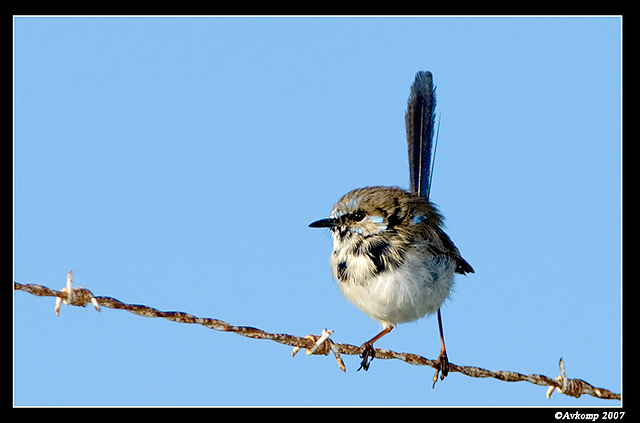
x,y
418,218
378,220
375,219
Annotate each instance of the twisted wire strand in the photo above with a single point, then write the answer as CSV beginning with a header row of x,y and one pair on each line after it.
x,y
79,296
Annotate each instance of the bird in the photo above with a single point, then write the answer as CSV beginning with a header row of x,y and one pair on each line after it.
x,y
391,257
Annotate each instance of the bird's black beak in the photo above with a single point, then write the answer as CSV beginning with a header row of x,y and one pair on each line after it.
x,y
324,223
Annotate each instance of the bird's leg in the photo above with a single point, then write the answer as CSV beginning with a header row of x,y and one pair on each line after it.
x,y
442,364
368,352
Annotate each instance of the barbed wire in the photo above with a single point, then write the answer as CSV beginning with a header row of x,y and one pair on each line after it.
x,y
312,344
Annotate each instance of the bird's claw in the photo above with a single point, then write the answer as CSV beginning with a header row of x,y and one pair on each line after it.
x,y
368,354
442,367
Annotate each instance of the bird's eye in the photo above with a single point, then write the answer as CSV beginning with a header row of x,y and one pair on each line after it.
x,y
358,215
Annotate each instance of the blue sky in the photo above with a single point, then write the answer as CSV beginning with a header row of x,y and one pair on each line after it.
x,y
176,162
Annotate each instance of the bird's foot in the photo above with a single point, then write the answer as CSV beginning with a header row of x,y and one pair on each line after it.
x,y
442,367
368,354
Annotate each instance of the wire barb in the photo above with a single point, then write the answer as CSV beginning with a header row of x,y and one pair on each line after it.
x,y
82,296
573,387
322,345
77,296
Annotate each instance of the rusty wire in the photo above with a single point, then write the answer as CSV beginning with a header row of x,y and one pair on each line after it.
x,y
314,344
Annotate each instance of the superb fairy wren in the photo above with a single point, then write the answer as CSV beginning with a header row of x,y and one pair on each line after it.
x,y
391,257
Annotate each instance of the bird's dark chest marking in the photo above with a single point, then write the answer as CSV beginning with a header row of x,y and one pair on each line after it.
x,y
342,271
378,252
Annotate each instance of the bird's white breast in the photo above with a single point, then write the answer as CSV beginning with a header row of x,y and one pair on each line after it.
x,y
414,289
